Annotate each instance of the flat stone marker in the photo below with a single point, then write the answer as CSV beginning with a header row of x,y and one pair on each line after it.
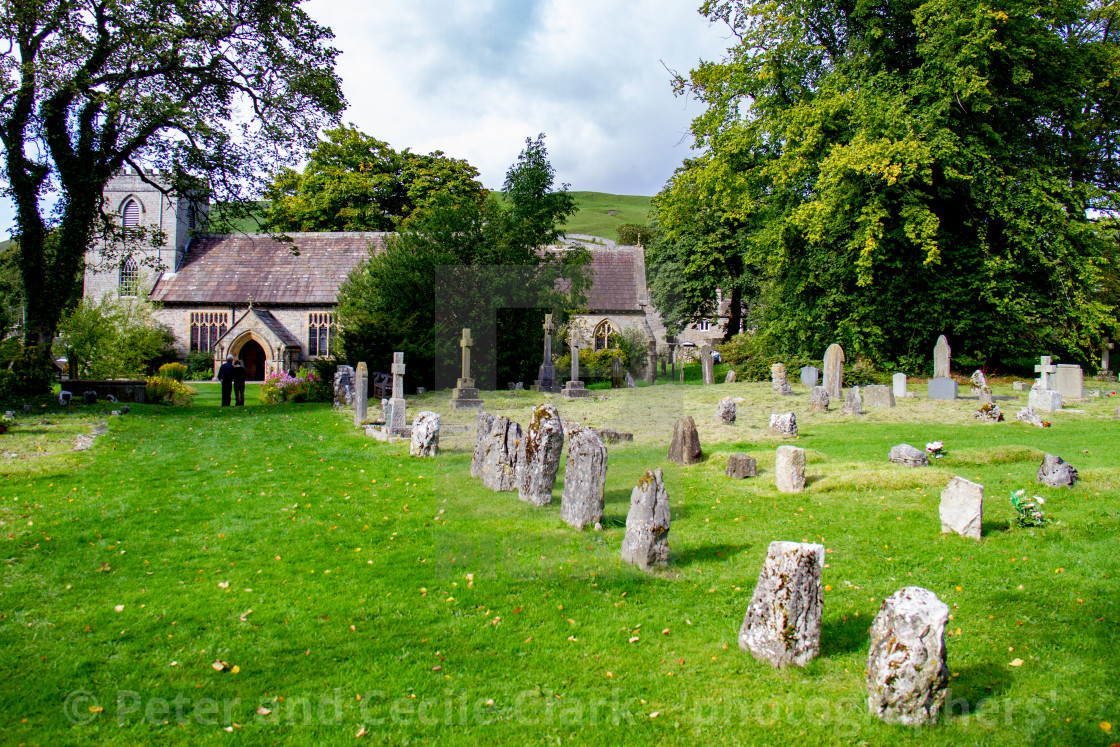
x,y
741,466
538,456
425,435
783,423
726,410
818,399
1056,472
810,375
853,402
941,356
581,503
361,394
962,508
1029,416
834,371
1070,381
907,675
685,447
909,456
878,395
783,621
789,469
646,542
898,385
941,388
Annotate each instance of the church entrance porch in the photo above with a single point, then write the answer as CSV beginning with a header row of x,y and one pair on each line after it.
x,y
253,356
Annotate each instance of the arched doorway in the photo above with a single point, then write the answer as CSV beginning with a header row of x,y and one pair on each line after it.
x,y
252,355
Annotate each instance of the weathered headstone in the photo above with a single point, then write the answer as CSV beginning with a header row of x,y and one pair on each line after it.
x,y
707,365
941,388
611,436
989,412
538,456
617,381
496,452
789,469
909,456
898,386
726,411
64,399
574,388
481,444
425,434
810,376
907,676
1019,386
986,398
685,447
783,621
778,380
941,355
877,395
853,402
89,397
629,380
741,466
546,377
1106,371
361,394
783,423
646,542
818,399
962,508
978,383
1028,415
834,371
344,386
581,503
465,394
1042,399
397,424
1056,472
1070,381
730,377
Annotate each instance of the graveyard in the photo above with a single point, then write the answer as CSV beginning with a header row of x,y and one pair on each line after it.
x,y
275,572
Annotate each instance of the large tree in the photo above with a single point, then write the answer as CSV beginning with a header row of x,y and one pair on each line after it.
x,y
214,93
907,168
354,182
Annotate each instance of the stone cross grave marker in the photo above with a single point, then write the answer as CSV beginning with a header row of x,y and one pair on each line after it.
x,y
1044,369
574,387
546,378
465,395
398,424
465,343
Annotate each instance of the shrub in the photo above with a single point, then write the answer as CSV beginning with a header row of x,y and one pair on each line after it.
x,y
114,338
593,364
31,377
175,371
162,390
305,386
200,365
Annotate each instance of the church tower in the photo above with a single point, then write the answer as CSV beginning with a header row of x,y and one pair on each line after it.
x,y
137,204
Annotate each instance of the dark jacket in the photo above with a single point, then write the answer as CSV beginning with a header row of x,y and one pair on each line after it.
x,y
239,374
225,373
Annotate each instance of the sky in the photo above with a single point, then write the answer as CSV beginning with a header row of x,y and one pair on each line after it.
x,y
475,78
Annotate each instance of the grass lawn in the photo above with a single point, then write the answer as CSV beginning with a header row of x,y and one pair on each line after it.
x,y
343,587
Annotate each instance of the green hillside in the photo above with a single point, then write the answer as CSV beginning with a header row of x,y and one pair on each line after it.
x,y
600,214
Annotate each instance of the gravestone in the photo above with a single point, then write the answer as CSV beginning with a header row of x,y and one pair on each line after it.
x,y
64,399
685,446
783,424
941,388
1044,369
651,362
496,452
834,371
538,456
909,456
1070,381
465,394
907,675
810,375
344,386
646,542
361,394
726,411
397,422
482,430
778,379
581,503
630,383
1105,371
730,377
853,402
425,435
546,377
89,397
978,383
878,395
1056,472
1019,386
1044,400
898,386
741,466
574,388
941,355
617,381
789,469
1028,415
962,508
818,399
707,365
783,621
988,412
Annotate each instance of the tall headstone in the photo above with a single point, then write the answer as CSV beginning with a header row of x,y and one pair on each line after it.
x,y
538,456
834,371
1069,380
651,362
361,394
941,356
707,365
810,376
398,420
574,388
344,386
783,621
585,477
907,675
898,385
646,542
778,380
546,378
496,452
465,395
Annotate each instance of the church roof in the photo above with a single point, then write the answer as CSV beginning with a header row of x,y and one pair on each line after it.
x,y
618,279
232,268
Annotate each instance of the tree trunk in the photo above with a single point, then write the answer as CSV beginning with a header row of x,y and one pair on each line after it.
x,y
734,314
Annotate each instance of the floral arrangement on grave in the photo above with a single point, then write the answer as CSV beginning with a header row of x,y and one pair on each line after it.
x,y
935,449
280,387
1028,510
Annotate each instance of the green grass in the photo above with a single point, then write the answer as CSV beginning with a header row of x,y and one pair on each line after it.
x,y
600,214
326,566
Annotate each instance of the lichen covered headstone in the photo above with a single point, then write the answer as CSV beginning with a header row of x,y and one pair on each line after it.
x,y
585,476
646,543
685,446
538,458
907,675
818,399
789,469
783,621
1029,416
783,423
962,508
778,380
853,402
496,452
726,410
425,434
1056,472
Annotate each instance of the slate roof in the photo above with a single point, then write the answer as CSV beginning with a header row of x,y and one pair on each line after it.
x,y
615,279
275,327
231,268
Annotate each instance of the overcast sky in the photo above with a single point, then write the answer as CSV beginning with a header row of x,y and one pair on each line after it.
x,y
474,78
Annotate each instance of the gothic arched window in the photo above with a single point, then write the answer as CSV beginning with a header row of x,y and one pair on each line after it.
x,y
128,281
130,214
602,334
320,333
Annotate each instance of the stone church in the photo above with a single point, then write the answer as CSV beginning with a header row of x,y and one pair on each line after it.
x,y
252,297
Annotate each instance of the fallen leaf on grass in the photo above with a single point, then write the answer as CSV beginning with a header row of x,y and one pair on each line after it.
x,y
119,608
245,614
635,639
361,732
223,584
262,711
1017,662
220,666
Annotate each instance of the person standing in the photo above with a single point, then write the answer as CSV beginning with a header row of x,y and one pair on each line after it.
x,y
225,375
239,376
